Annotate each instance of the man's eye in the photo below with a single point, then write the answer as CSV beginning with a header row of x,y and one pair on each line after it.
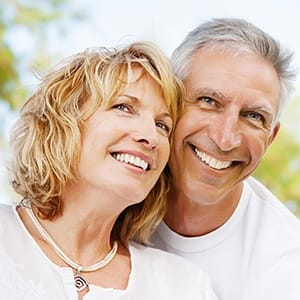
x,y
163,126
207,100
255,116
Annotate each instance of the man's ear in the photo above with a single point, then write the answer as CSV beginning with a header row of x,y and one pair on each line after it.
x,y
274,133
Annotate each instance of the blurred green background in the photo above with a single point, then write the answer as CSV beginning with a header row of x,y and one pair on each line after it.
x,y
34,35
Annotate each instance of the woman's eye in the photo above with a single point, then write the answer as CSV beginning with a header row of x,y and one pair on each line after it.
x,y
163,126
123,107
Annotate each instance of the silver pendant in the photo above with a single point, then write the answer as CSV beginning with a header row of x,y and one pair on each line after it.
x,y
80,283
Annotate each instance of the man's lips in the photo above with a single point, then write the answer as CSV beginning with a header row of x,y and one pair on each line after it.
x,y
211,161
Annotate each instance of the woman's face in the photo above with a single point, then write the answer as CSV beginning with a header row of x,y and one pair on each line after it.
x,y
126,146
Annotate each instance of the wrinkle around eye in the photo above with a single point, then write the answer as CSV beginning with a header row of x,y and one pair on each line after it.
x,y
257,117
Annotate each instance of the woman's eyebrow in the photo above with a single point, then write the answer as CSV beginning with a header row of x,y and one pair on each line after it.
x,y
133,98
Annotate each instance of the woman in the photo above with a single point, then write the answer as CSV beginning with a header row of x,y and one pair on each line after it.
x,y
89,146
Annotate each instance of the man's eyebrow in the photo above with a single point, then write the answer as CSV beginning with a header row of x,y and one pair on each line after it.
x,y
263,108
210,92
219,95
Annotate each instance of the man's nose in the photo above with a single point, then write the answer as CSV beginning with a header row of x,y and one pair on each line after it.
x,y
225,132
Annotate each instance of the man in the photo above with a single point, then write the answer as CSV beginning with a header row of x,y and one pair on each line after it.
x,y
237,79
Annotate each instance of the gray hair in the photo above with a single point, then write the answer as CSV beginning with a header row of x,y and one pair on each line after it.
x,y
238,36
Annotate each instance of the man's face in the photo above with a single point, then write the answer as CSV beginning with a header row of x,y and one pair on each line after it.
x,y
227,124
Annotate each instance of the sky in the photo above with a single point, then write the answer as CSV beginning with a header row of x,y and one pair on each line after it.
x,y
166,22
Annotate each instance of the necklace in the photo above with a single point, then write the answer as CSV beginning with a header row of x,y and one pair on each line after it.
x,y
79,280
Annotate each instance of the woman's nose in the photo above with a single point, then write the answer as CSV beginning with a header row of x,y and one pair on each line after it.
x,y
147,134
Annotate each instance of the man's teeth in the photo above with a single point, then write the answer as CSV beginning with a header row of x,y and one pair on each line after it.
x,y
212,162
133,160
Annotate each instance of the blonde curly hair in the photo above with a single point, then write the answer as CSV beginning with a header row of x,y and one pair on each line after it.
x,y
46,139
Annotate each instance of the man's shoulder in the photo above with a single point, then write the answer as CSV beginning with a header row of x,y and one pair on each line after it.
x,y
271,218
260,219
158,256
179,277
268,206
163,261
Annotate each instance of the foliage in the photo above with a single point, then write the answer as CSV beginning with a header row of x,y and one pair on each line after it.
x,y
280,168
8,73
32,18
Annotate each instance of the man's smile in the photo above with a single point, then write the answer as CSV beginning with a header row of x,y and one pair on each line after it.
x,y
211,161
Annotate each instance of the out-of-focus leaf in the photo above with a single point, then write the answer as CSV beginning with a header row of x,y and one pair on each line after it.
x,y
280,168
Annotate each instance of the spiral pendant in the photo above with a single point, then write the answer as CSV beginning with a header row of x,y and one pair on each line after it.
x,y
80,283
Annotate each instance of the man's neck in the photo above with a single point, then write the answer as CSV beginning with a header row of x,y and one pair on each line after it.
x,y
192,218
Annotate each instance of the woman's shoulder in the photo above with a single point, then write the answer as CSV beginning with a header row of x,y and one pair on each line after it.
x,y
10,229
4,208
7,213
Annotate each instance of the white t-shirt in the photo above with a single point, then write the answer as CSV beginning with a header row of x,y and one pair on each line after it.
x,y
27,274
255,255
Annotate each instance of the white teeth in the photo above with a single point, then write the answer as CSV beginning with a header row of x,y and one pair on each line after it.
x,y
212,162
133,160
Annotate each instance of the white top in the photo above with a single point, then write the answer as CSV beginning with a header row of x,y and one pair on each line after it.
x,y
255,255
26,272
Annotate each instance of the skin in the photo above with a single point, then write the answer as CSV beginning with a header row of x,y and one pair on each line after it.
x,y
138,123
226,128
